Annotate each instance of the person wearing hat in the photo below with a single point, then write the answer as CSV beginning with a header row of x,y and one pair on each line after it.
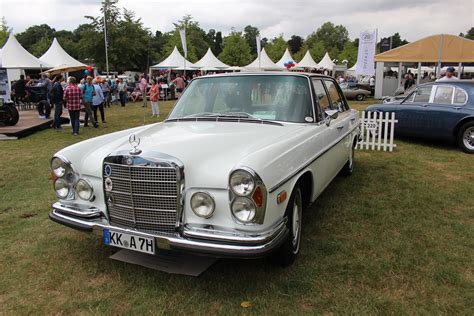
x,y
449,75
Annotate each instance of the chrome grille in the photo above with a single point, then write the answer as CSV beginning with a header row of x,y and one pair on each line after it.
x,y
144,196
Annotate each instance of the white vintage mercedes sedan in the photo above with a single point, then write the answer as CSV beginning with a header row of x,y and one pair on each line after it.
x,y
227,174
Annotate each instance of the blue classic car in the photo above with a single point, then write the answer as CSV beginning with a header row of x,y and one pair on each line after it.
x,y
438,110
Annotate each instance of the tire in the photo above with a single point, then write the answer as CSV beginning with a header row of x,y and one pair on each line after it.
x,y
465,137
288,251
12,115
349,166
360,97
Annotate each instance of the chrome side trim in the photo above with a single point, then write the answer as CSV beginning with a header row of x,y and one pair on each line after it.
x,y
292,175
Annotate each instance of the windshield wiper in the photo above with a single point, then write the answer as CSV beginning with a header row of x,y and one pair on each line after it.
x,y
226,114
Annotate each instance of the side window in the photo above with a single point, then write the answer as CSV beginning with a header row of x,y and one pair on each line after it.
x,y
443,95
321,96
460,96
422,95
337,101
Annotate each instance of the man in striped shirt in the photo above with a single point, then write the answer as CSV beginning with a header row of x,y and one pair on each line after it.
x,y
73,98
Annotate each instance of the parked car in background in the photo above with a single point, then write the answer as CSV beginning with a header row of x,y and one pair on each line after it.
x,y
438,110
227,174
354,92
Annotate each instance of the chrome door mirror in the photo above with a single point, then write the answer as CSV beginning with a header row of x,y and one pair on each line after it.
x,y
332,114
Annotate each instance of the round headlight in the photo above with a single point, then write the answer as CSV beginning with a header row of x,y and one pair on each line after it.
x,y
61,187
243,209
242,182
202,204
84,189
59,167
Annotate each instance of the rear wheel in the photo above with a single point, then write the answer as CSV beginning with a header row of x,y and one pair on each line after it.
x,y
465,137
360,97
288,251
12,115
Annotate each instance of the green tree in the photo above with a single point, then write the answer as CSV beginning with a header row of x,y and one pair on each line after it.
x,y
4,32
36,39
218,44
349,53
469,34
196,39
235,50
333,37
250,35
276,48
295,44
317,51
397,40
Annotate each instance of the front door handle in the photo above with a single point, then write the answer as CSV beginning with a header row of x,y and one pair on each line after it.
x,y
424,105
340,127
353,119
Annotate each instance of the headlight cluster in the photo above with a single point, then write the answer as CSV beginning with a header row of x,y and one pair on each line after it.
x,y
248,196
66,182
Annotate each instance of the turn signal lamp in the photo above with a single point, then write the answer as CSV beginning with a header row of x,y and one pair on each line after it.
x,y
257,197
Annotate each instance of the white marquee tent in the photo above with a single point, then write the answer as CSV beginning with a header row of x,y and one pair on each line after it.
x,y
16,59
175,61
210,62
307,62
326,62
57,56
265,63
284,59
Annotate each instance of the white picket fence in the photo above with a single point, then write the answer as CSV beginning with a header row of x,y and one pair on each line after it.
x,y
377,131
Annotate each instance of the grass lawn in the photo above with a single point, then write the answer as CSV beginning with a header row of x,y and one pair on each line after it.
x,y
397,237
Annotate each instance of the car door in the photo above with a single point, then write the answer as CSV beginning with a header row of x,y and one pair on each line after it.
x,y
411,112
445,111
325,142
344,121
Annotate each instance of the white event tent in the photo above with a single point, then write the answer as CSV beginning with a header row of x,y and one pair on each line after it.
x,y
284,59
265,63
307,62
326,62
210,62
57,56
16,59
175,61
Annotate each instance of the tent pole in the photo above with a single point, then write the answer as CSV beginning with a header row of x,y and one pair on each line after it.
x,y
419,74
400,74
459,70
440,53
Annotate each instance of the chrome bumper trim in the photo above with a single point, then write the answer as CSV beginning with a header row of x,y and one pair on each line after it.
x,y
78,210
200,240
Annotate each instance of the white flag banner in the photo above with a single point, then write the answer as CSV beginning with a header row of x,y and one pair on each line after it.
x,y
182,34
366,53
259,46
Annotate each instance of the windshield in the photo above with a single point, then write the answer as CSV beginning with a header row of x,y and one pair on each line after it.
x,y
265,97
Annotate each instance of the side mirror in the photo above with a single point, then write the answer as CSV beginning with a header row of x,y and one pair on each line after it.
x,y
331,115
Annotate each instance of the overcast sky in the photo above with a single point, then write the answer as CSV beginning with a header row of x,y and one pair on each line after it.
x,y
413,19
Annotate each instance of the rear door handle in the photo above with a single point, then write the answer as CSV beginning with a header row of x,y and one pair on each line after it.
x,y
353,119
340,127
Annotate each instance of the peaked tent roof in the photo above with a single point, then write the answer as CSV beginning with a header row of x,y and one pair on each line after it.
x,y
326,62
15,56
307,62
453,49
175,61
284,59
56,55
265,63
210,62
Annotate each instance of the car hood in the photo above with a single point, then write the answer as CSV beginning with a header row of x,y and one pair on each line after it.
x,y
208,150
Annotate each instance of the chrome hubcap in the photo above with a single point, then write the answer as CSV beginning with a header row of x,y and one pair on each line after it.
x,y
468,138
296,223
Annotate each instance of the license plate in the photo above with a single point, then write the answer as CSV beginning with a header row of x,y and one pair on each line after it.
x,y
129,241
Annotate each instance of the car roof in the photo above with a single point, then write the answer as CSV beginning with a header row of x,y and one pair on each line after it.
x,y
461,82
269,73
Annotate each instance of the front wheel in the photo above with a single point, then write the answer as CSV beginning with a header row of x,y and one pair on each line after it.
x,y
288,251
465,137
360,97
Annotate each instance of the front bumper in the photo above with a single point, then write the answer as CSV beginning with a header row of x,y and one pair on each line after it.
x,y
202,240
